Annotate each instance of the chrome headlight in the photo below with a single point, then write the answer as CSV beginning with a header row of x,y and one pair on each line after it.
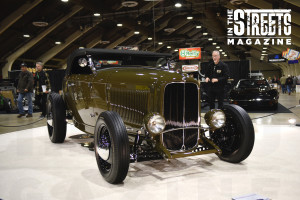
x,y
215,119
155,123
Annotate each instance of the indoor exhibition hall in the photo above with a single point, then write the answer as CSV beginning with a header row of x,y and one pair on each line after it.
x,y
149,99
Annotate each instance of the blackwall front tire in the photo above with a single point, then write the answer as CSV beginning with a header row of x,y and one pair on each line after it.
x,y
56,118
112,147
236,138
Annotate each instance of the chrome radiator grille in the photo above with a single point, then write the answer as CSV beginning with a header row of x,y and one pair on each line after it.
x,y
181,111
130,104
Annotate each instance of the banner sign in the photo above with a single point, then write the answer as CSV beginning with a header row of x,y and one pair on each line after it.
x,y
272,58
190,68
190,53
291,54
293,62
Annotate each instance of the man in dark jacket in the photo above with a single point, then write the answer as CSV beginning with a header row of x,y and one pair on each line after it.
x,y
25,89
42,87
216,77
289,84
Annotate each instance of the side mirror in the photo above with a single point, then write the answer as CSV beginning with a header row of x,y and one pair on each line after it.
x,y
91,64
171,64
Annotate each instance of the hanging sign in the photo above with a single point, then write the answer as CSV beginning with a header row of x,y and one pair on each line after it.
x,y
190,53
190,68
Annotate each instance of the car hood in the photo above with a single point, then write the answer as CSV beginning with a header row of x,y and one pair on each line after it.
x,y
140,76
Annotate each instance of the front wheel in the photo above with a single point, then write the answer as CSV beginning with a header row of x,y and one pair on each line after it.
x,y
112,147
236,138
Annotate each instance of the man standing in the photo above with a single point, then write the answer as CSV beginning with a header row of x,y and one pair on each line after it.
x,y
289,84
216,77
42,87
282,82
25,89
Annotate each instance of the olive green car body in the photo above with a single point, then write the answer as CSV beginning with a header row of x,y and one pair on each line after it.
x,y
136,93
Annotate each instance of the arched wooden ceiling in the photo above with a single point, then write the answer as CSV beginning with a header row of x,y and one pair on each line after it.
x,y
73,24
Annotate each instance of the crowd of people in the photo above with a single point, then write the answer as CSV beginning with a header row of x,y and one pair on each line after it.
x,y
287,84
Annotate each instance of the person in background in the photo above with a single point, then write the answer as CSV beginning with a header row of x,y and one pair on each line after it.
x,y
216,77
298,79
294,83
295,79
282,82
274,80
42,87
25,89
289,83
269,80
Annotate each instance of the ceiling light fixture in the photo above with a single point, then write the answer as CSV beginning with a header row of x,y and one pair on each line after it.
x,y
178,5
149,38
263,51
205,33
40,23
57,42
189,17
26,35
120,25
169,30
160,43
136,32
129,4
265,47
169,47
221,50
175,49
198,26
104,42
225,55
97,14
217,47
81,48
64,0
214,43
210,39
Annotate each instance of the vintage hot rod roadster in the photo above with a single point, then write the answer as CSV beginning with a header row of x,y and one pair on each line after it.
x,y
136,105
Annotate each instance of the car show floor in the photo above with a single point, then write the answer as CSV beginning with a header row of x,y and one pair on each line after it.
x,y
31,167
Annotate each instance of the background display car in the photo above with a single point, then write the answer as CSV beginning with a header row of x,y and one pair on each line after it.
x,y
136,107
5,103
249,92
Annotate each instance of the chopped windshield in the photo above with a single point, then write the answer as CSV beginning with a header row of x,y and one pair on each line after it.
x,y
252,84
128,61
88,63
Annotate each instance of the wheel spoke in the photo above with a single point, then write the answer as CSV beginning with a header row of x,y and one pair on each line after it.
x,y
104,148
228,137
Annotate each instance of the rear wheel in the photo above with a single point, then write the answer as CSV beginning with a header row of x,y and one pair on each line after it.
x,y
8,106
236,138
56,118
112,147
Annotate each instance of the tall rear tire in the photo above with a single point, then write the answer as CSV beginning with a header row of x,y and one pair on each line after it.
x,y
56,118
112,147
236,138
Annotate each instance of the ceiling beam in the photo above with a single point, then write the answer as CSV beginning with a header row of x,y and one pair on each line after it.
x,y
55,50
16,15
11,59
294,2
